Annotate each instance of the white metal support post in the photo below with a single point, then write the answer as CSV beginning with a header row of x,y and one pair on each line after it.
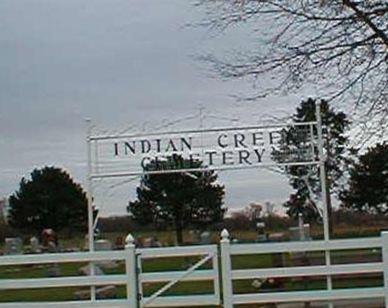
x,y
216,273
130,268
384,240
226,268
89,195
322,172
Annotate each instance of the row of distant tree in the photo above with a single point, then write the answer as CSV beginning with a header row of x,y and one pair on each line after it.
x,y
51,199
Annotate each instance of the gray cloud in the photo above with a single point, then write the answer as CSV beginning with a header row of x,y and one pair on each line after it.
x,y
119,63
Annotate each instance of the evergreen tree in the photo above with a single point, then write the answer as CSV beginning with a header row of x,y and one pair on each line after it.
x,y
368,183
304,179
298,204
179,199
50,199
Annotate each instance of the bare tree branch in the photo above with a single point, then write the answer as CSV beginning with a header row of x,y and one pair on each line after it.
x,y
364,16
336,46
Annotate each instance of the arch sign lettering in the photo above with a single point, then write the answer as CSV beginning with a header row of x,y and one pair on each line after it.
x,y
218,149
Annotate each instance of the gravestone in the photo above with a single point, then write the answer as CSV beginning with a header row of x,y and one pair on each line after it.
x,y
257,283
261,236
102,244
151,242
301,258
147,242
85,270
53,270
205,238
52,247
300,233
276,237
119,243
86,242
13,246
34,244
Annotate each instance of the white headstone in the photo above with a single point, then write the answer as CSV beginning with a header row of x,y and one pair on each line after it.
x,y
300,233
34,244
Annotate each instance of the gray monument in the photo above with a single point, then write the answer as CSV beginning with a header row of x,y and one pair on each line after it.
x,y
13,246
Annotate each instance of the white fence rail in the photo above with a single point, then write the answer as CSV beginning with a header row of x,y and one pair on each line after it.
x,y
230,275
134,278
207,253
128,279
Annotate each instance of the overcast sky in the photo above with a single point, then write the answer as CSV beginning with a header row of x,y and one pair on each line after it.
x,y
122,63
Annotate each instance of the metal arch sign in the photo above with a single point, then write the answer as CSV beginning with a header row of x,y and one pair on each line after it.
x,y
218,148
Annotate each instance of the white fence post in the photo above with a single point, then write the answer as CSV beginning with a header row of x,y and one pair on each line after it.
x,y
130,268
226,268
384,248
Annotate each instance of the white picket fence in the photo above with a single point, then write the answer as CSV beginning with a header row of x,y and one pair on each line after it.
x,y
134,278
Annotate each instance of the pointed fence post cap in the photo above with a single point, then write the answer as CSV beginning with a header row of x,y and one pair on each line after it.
x,y
129,240
224,234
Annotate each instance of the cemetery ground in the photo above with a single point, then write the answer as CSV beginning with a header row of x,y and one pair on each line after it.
x,y
239,262
169,264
